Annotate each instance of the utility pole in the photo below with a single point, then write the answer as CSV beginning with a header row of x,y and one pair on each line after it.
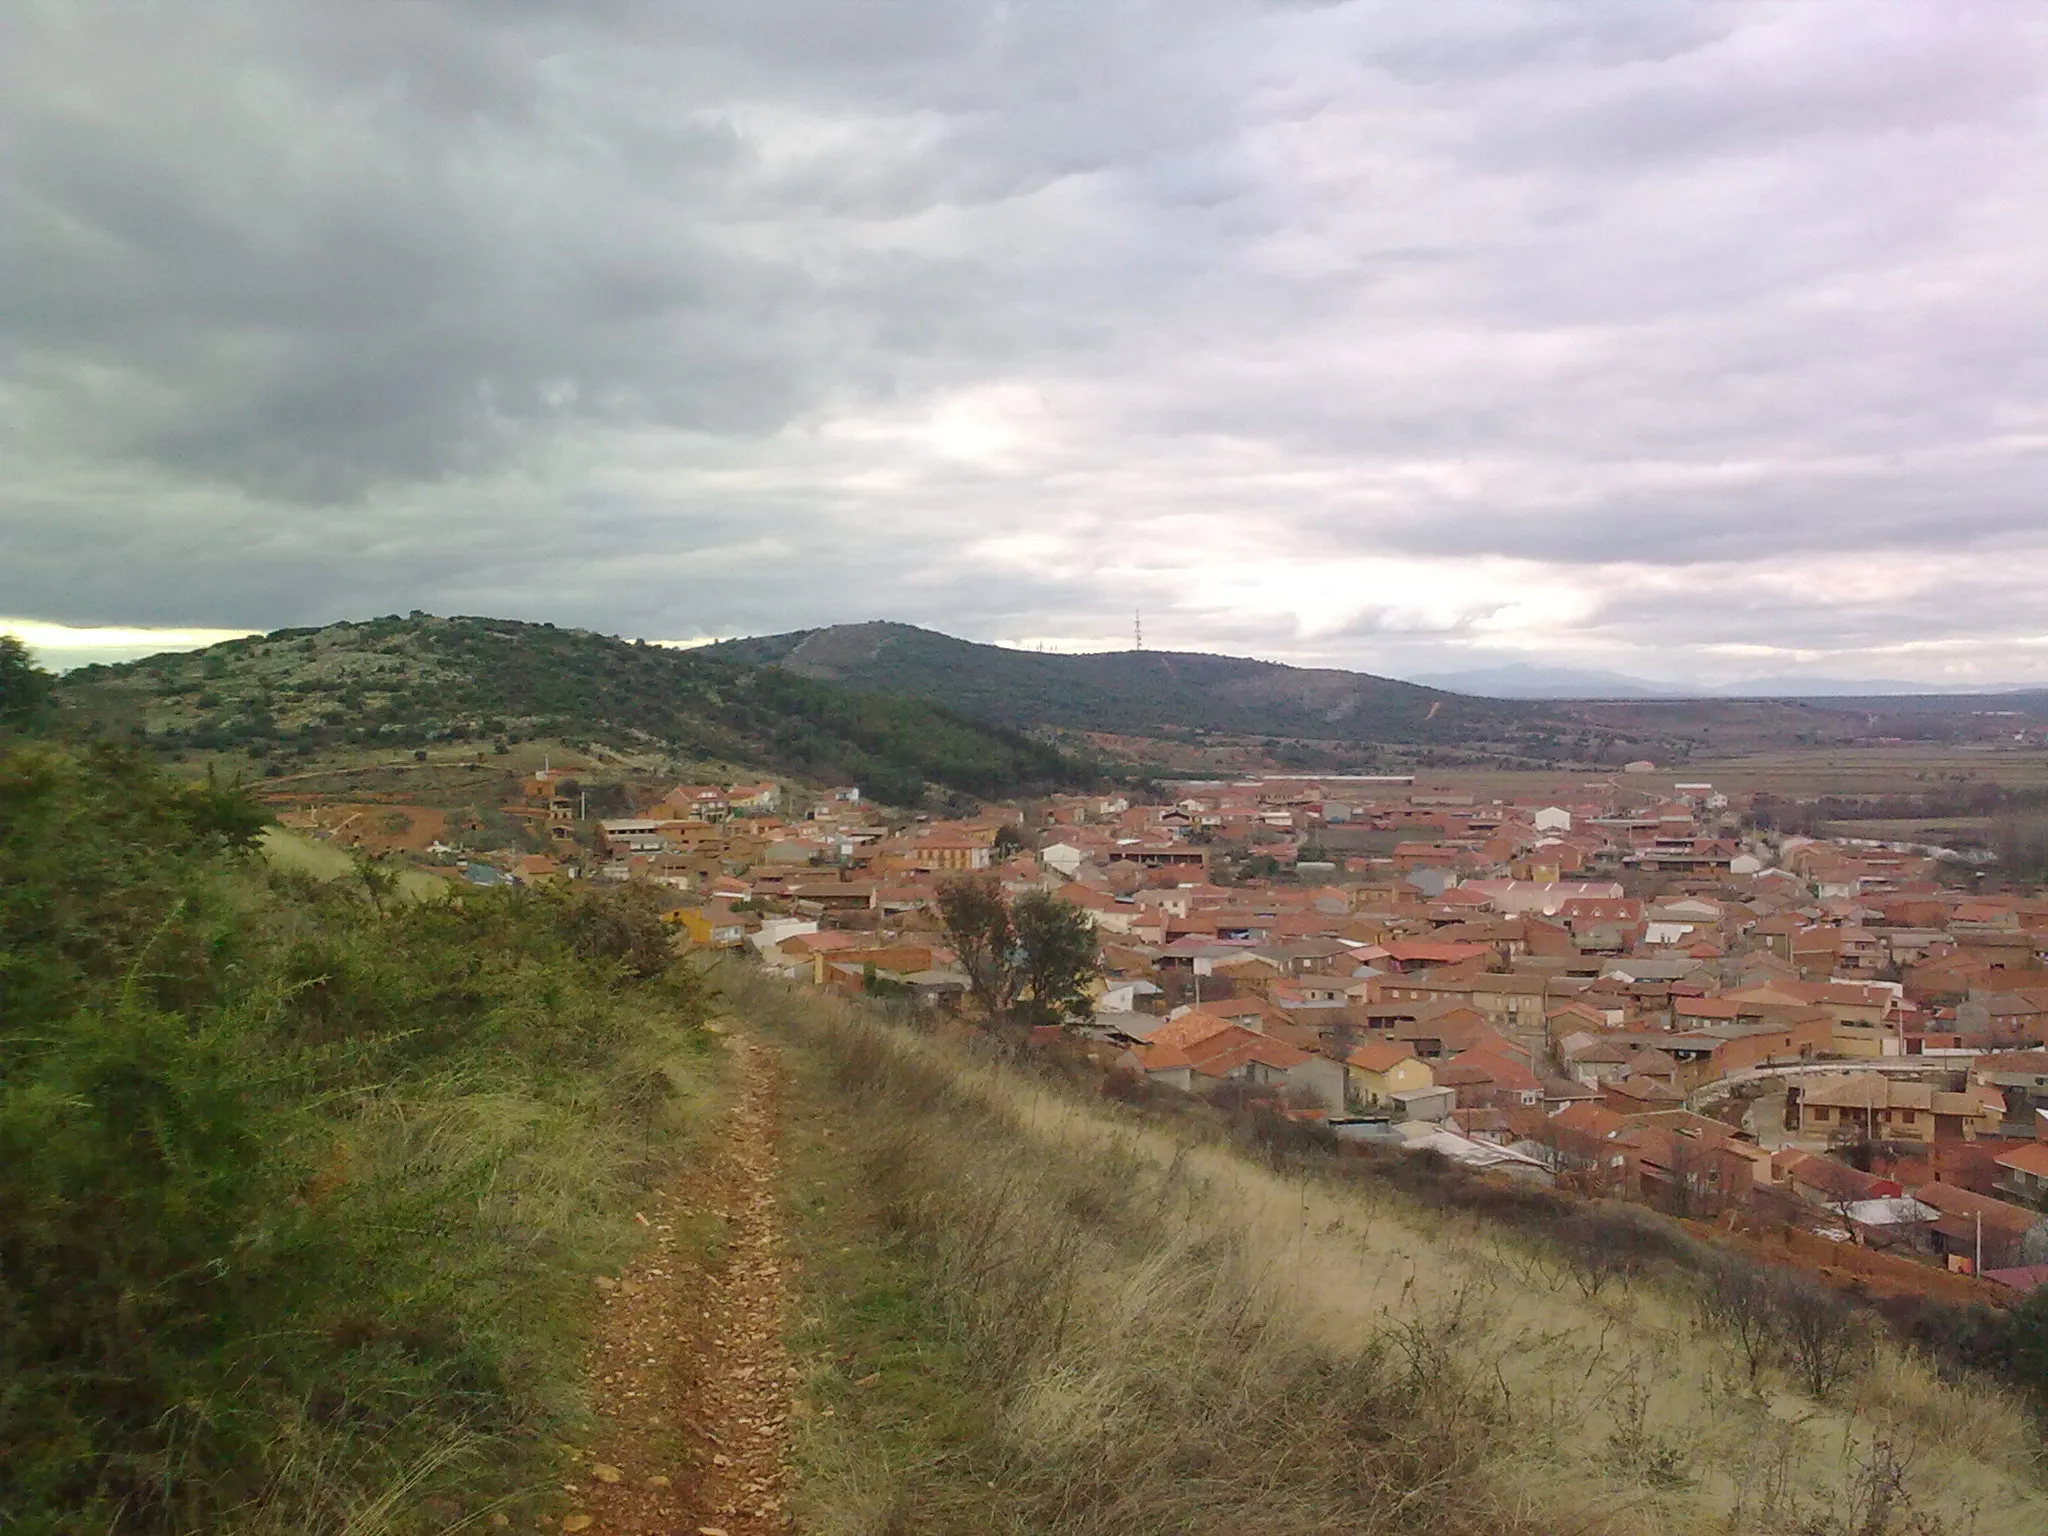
x,y
1137,629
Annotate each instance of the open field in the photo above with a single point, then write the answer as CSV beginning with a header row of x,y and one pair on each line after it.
x,y
1877,770
323,861
1945,831
1794,774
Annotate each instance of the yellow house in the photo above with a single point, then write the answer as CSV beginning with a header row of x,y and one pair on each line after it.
x,y
715,926
1854,1037
1375,1073
1863,1018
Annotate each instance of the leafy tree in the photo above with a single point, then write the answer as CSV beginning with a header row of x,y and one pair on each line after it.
x,y
623,927
25,688
977,922
222,816
1033,959
1056,957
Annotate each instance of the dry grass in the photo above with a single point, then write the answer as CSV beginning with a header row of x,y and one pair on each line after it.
x,y
323,861
1037,1313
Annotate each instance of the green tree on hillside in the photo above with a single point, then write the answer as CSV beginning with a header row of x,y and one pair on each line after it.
x,y
977,921
1030,961
1056,954
25,688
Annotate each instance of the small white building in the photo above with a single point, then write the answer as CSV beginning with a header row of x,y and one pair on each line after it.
x,y
1065,858
1123,997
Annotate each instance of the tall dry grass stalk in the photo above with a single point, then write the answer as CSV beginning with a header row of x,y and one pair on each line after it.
x,y
1099,1322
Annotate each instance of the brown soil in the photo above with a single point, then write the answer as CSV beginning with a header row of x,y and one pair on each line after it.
x,y
689,1377
373,827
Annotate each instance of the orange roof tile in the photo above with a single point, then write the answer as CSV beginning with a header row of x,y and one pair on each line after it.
x,y
2032,1157
1379,1056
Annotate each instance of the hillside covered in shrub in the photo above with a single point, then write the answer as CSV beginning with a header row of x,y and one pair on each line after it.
x,y
301,1191
418,681
1137,692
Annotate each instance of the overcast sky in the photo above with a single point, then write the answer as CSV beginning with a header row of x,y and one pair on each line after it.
x,y
1687,339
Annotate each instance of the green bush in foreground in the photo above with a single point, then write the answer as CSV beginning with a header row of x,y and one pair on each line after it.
x,y
298,1200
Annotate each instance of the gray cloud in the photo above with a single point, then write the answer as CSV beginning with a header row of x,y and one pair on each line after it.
x,y
1362,333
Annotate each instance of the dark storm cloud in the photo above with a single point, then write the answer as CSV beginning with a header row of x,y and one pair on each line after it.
x,y
308,288
1354,332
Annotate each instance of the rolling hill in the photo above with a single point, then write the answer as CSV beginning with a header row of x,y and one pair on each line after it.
x,y
1180,696
1133,692
1526,680
410,682
898,709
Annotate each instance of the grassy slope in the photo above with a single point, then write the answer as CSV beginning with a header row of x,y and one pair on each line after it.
x,y
408,682
323,861
300,1203
1026,1313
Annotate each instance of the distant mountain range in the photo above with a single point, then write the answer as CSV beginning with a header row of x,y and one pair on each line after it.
x,y
1525,680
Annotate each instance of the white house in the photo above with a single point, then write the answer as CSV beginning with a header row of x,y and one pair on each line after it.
x,y
1123,997
1063,857
774,930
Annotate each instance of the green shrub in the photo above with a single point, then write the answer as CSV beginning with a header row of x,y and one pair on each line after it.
x,y
298,1198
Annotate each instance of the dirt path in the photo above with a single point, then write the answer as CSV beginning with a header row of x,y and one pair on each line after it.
x,y
689,1376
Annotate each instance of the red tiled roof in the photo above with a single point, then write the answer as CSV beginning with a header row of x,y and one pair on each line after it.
x,y
1589,1119
1499,1070
1187,1028
1379,1057
2030,1157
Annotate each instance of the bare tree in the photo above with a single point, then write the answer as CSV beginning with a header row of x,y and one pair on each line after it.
x,y
1738,1296
1695,1187
1823,1337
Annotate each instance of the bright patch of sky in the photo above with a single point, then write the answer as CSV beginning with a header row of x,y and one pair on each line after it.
x,y
60,647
